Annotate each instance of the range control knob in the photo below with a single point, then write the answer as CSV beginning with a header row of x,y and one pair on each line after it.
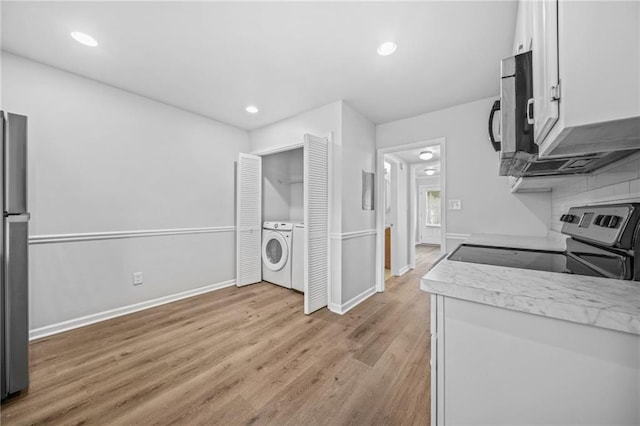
x,y
567,218
613,221
608,221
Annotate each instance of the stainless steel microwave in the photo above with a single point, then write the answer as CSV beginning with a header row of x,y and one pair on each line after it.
x,y
515,141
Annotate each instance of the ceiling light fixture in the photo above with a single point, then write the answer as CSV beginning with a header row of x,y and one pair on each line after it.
x,y
387,48
83,38
426,155
429,172
252,109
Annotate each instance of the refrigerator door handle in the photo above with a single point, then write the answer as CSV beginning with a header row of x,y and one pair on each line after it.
x,y
16,218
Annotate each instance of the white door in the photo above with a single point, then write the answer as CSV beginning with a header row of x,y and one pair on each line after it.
x,y
249,220
316,220
429,225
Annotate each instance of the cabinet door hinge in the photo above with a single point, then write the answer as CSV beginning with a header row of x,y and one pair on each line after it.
x,y
555,92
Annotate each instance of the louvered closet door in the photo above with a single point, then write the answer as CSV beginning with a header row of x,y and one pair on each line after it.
x,y
316,220
249,220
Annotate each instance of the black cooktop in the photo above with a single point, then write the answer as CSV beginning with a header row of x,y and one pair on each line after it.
x,y
539,260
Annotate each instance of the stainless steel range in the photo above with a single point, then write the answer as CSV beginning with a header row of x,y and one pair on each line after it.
x,y
604,241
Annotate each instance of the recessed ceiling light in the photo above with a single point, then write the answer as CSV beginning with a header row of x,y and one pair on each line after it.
x,y
387,48
429,172
83,38
426,155
252,109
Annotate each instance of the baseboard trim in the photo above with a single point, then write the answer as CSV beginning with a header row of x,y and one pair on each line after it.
x,y
353,302
404,270
95,236
71,324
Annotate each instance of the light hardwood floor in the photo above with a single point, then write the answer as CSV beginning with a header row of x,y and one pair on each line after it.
x,y
240,356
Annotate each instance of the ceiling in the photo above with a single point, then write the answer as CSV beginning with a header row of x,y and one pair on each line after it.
x,y
214,59
412,156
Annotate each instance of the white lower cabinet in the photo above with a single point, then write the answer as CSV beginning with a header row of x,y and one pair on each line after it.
x,y
494,366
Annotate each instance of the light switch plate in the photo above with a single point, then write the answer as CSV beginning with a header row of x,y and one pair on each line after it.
x,y
455,204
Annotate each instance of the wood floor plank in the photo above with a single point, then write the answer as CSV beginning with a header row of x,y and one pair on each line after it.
x,y
240,356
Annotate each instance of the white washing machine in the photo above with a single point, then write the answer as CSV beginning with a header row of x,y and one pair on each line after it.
x,y
276,252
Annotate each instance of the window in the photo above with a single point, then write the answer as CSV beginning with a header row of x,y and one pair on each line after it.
x,y
433,208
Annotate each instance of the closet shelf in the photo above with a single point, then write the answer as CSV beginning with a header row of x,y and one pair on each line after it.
x,y
289,182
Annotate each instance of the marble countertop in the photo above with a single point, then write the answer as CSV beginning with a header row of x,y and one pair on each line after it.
x,y
599,302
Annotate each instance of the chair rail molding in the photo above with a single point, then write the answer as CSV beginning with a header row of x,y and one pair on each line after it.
x,y
112,235
353,234
454,236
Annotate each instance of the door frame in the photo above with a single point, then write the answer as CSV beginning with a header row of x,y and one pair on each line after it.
x,y
291,147
442,141
278,149
396,170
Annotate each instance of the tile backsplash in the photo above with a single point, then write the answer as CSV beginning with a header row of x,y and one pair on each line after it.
x,y
618,182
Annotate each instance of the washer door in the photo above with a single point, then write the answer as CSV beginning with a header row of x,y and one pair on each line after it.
x,y
274,251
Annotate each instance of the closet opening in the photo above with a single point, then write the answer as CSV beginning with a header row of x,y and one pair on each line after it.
x,y
282,219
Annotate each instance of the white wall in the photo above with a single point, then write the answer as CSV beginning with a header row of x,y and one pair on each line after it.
x,y
296,189
276,191
427,181
282,187
618,182
102,159
358,254
488,206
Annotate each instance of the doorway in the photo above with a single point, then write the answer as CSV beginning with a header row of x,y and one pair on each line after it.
x,y
418,195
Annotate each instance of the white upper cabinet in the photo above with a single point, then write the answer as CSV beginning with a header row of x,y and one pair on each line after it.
x,y
524,28
546,90
586,74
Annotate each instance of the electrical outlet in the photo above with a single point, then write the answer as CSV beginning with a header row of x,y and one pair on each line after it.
x,y
455,205
137,278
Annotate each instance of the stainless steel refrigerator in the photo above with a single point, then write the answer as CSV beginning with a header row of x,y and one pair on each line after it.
x,y
15,254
